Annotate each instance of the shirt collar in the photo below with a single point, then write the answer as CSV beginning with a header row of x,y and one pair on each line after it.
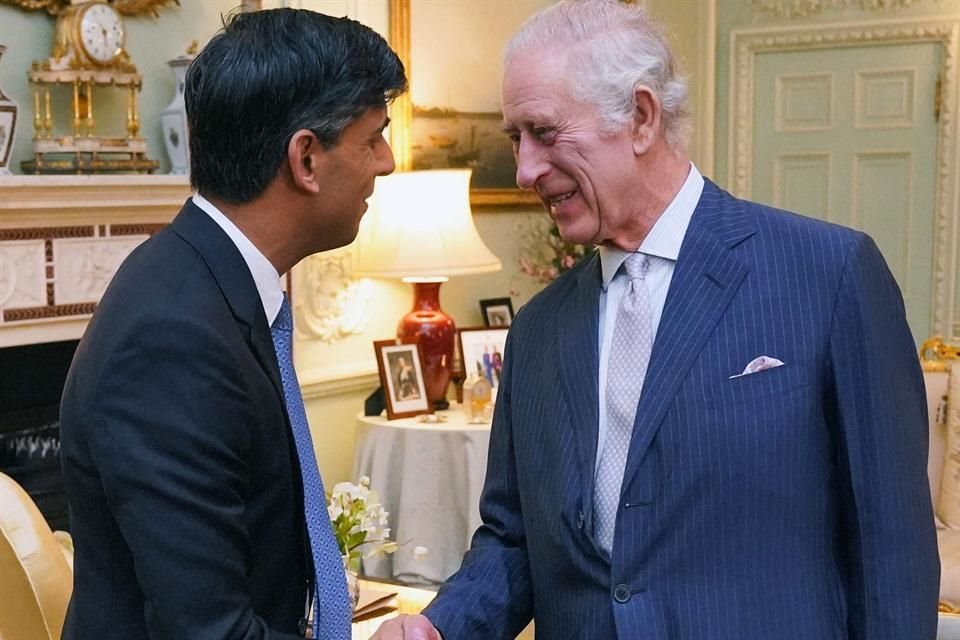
x,y
666,236
265,275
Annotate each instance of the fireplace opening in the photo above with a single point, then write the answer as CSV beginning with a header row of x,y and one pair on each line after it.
x,y
31,383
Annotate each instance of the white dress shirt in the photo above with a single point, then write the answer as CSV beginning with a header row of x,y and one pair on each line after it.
x,y
264,274
662,244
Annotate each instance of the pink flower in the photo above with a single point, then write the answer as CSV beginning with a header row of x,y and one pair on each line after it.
x,y
545,255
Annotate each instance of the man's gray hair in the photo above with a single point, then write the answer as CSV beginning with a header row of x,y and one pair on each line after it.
x,y
616,48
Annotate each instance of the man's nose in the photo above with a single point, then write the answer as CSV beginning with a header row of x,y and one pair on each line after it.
x,y
386,162
531,163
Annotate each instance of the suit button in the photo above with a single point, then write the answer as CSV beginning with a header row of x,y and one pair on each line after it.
x,y
621,593
579,519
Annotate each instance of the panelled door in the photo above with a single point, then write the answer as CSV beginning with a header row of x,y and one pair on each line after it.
x,y
850,135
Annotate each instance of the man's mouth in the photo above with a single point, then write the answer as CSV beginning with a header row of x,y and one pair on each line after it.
x,y
555,201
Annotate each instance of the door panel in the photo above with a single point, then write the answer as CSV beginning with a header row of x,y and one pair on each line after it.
x,y
855,145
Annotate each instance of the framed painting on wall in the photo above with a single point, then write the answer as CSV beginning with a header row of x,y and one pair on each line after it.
x,y
451,117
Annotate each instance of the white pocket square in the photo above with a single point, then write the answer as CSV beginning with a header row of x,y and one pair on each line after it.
x,y
759,364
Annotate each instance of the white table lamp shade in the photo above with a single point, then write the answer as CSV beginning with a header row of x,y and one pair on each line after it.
x,y
420,226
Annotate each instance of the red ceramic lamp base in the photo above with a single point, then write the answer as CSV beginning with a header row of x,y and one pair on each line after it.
x,y
437,333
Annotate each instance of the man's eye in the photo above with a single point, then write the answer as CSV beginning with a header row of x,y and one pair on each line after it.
x,y
543,133
514,138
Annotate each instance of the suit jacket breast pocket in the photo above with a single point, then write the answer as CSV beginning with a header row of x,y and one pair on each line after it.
x,y
766,385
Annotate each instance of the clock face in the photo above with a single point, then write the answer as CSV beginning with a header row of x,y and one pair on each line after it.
x,y
101,32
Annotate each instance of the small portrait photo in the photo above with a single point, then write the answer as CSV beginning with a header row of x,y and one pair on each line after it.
x,y
481,351
7,123
497,312
401,376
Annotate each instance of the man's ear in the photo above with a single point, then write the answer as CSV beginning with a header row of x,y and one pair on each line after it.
x,y
305,155
646,120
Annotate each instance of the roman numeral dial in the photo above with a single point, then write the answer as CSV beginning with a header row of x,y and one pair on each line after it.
x,y
101,32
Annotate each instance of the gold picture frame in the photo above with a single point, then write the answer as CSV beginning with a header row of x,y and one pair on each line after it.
x,y
402,119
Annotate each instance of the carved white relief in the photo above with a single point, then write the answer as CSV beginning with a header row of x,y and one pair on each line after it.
x,y
748,43
22,281
801,8
83,267
331,305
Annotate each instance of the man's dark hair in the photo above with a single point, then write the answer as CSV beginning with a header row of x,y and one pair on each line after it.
x,y
267,75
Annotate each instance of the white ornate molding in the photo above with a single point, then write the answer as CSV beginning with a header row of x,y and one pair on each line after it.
x,y
22,280
804,8
85,266
67,199
746,44
331,305
352,382
62,239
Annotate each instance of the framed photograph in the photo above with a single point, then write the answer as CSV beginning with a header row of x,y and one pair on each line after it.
x,y
497,312
481,351
452,119
8,120
400,364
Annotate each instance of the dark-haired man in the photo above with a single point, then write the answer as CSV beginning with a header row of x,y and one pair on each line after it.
x,y
197,508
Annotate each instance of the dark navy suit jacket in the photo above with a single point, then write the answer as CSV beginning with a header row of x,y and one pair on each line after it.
x,y
185,497
790,504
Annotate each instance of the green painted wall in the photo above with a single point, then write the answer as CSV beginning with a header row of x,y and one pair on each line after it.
x,y
151,42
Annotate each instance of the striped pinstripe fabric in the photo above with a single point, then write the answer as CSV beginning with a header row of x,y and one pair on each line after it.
x,y
787,504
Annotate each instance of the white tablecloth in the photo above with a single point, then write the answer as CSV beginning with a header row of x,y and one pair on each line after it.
x,y
429,477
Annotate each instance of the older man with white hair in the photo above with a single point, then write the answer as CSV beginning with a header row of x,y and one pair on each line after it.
x,y
714,427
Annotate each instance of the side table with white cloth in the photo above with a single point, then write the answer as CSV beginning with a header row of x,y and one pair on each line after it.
x,y
429,477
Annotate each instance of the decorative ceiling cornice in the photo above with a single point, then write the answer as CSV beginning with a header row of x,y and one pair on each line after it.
x,y
803,8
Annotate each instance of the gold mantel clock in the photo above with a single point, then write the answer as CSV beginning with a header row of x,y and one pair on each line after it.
x,y
88,62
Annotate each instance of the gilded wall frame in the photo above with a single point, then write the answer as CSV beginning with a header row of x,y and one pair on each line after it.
x,y
402,119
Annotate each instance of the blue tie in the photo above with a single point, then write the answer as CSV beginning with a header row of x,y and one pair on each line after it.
x,y
331,603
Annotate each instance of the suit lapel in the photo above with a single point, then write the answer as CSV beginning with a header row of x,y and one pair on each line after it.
x,y
577,346
707,275
233,276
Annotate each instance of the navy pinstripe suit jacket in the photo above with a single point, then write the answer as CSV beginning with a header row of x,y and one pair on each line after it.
x,y
787,504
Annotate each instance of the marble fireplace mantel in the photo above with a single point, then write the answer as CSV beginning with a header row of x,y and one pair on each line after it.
x,y
62,239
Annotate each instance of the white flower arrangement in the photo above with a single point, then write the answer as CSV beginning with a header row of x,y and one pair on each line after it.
x,y
359,520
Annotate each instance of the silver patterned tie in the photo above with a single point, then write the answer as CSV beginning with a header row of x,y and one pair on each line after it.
x,y
626,369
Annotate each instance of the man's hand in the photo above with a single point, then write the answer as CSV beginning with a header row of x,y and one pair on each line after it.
x,y
406,627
